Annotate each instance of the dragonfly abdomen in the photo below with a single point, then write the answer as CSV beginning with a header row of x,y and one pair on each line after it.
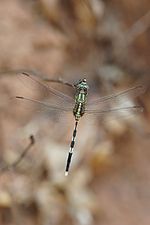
x,y
79,110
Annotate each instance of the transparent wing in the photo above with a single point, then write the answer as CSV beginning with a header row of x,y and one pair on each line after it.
x,y
27,108
49,89
117,97
116,114
38,74
120,104
32,95
134,108
32,82
43,105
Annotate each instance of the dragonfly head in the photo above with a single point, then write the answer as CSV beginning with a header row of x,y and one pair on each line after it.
x,y
82,85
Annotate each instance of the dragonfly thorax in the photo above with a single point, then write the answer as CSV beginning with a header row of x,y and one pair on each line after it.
x,y
80,98
82,85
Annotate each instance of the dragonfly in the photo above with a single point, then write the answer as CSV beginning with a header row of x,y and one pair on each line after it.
x,y
79,103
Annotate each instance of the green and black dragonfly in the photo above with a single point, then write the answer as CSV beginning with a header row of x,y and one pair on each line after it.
x,y
80,102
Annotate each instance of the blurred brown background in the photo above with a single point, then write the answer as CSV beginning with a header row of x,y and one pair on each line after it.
x,y
108,43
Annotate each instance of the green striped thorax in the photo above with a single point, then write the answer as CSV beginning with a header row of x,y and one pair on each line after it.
x,y
80,98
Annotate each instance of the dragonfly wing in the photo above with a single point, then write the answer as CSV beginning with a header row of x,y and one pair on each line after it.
x,y
31,81
28,107
41,105
48,89
134,108
117,97
118,114
38,74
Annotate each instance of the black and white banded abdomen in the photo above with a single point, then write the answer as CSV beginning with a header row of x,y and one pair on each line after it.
x,y
79,110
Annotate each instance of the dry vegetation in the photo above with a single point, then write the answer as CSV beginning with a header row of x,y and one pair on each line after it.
x,y
109,183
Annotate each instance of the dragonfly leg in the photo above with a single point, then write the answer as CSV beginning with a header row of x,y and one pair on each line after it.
x,y
70,154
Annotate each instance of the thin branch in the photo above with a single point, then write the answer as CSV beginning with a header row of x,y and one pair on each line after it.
x,y
139,27
23,154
